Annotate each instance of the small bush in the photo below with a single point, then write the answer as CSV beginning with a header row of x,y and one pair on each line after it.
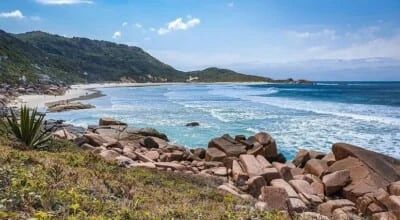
x,y
27,128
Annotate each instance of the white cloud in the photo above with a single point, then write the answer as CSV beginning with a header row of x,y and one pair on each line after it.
x,y
35,18
379,47
162,31
124,24
64,2
116,35
366,32
326,33
13,14
231,4
138,25
179,24
152,29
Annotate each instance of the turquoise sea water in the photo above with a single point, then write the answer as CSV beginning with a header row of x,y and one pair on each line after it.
x,y
297,116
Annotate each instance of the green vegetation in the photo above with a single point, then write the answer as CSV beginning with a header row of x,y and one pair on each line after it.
x,y
27,127
214,74
72,184
74,60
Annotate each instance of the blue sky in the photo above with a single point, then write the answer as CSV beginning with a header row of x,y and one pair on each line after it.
x,y
320,40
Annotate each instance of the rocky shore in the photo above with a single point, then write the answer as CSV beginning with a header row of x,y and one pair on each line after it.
x,y
348,183
9,93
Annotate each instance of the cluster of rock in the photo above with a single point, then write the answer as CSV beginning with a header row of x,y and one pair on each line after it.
x,y
67,105
10,92
347,183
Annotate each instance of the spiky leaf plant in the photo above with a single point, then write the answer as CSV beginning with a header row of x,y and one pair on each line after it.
x,y
27,128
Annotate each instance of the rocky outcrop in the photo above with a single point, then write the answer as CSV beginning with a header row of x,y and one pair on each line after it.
x,y
388,168
67,106
192,124
347,183
110,121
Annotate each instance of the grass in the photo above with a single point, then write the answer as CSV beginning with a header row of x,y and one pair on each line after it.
x,y
67,183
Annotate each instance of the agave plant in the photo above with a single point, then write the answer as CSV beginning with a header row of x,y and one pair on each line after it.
x,y
28,127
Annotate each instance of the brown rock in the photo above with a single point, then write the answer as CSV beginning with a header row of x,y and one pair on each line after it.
x,y
316,155
283,170
310,215
200,152
142,157
214,154
255,184
153,155
394,203
240,137
110,121
238,175
296,205
268,143
95,139
176,155
264,162
251,165
220,171
382,197
171,165
301,158
318,189
228,146
148,142
328,207
344,213
335,181
87,147
329,158
143,165
374,208
312,178
388,168
363,202
124,161
363,179
109,155
315,167
285,185
313,200
113,144
228,189
257,149
391,215
131,155
394,188
301,186
64,135
296,171
270,174
275,198
118,150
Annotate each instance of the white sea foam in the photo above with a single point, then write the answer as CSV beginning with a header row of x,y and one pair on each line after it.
x,y
378,113
328,84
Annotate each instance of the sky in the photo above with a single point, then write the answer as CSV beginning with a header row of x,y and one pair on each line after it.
x,y
317,40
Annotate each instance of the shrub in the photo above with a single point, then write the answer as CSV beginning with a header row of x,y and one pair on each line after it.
x,y
27,128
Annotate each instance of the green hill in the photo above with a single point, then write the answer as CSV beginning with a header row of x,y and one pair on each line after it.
x,y
214,74
83,60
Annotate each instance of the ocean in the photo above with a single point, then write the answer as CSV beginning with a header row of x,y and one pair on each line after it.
x,y
314,117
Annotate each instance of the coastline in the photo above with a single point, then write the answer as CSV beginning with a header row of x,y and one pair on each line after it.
x,y
89,91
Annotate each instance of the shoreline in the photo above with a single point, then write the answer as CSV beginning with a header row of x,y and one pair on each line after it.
x,y
79,92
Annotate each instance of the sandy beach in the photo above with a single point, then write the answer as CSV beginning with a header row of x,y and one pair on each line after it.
x,y
40,101
76,92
